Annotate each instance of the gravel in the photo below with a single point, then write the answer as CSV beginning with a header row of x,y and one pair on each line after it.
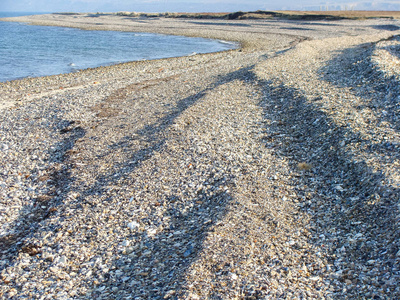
x,y
267,172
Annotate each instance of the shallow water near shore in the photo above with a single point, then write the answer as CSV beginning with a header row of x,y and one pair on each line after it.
x,y
32,51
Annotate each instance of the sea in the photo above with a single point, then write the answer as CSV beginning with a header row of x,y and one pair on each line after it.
x,y
33,51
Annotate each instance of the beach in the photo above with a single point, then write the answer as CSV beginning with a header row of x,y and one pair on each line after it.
x,y
267,172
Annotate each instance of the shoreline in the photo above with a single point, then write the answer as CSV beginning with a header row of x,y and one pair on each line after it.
x,y
232,46
270,171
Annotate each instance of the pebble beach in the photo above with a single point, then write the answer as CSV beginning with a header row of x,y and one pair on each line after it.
x,y
271,171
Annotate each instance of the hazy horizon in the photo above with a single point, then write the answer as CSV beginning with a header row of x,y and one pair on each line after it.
x,y
189,6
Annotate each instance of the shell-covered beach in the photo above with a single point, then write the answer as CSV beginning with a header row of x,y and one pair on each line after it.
x,y
267,172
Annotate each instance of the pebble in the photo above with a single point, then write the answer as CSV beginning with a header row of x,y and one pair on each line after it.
x,y
133,225
125,243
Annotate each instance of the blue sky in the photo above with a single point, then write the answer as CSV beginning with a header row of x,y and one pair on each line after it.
x,y
190,5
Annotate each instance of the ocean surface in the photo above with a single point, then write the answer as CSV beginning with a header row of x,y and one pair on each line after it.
x,y
32,51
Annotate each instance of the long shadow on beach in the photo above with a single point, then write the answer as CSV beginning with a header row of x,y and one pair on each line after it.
x,y
383,92
58,178
179,243
185,229
160,264
345,197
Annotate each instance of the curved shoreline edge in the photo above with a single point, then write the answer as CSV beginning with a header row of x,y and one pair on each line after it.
x,y
174,47
270,171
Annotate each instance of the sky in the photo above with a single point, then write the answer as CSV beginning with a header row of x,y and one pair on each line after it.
x,y
191,5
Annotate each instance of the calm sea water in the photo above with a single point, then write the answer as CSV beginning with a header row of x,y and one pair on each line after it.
x,y
31,51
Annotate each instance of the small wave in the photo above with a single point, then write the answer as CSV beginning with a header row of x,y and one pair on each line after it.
x,y
232,45
227,42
